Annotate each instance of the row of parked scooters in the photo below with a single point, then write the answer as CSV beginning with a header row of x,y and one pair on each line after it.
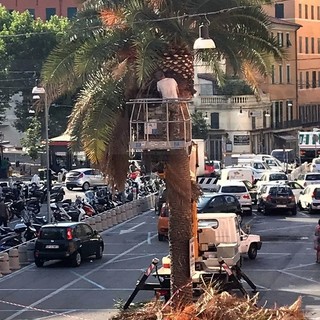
x,y
24,202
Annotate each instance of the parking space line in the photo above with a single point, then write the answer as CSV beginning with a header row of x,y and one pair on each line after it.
x,y
299,277
69,284
300,266
88,280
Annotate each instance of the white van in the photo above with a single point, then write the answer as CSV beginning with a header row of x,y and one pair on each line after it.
x,y
237,173
259,165
271,161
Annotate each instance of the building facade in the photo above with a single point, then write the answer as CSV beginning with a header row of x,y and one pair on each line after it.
x,y
307,14
43,9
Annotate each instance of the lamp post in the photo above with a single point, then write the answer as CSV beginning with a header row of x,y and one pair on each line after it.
x,y
39,92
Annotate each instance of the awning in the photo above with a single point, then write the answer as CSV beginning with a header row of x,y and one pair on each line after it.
x,y
287,137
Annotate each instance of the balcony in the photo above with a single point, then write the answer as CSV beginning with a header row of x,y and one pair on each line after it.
x,y
287,124
225,102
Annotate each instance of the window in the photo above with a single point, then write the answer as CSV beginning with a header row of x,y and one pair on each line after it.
x,y
300,44
50,12
312,45
307,45
318,13
272,75
300,81
306,11
32,12
318,78
312,12
318,45
307,80
288,74
280,74
71,12
288,42
280,39
215,120
314,79
279,10
300,10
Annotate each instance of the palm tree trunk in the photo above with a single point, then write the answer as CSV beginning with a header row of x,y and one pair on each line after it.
x,y
180,225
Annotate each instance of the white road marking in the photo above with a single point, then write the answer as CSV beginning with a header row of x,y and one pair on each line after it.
x,y
132,228
301,266
283,228
88,280
52,294
298,277
149,238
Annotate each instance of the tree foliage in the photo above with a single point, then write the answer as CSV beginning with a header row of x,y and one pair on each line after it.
x,y
200,127
32,139
24,45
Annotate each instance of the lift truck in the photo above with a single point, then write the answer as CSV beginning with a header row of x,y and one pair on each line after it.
x,y
214,254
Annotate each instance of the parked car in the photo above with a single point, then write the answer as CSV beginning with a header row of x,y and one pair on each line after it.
x,y
252,190
306,179
315,165
271,176
277,197
207,203
296,189
310,198
239,189
84,178
73,241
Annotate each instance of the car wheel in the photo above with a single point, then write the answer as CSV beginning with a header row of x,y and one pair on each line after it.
x,y
294,211
299,205
86,186
161,237
39,263
310,211
69,188
76,259
253,251
266,211
99,253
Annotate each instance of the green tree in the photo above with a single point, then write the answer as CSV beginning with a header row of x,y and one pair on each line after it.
x,y
24,45
112,52
32,139
200,127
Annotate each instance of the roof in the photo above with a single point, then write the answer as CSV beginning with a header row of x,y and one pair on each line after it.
x,y
62,224
284,22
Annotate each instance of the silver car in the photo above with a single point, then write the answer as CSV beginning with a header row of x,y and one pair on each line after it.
x,y
84,178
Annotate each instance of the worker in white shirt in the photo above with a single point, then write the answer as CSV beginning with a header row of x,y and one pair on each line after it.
x,y
167,87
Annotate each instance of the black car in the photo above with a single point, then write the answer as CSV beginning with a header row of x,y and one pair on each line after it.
x,y
217,202
67,240
278,197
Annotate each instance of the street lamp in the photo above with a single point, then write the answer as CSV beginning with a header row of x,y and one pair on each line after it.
x,y
37,93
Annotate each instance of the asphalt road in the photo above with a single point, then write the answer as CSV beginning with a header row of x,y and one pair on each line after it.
x,y
284,269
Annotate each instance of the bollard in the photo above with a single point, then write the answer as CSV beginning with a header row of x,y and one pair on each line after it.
x,y
130,209
14,263
129,212
104,221
118,214
23,256
114,217
98,223
92,223
109,219
30,251
123,213
4,263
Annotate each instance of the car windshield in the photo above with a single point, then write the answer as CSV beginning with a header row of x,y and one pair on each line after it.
x,y
53,233
284,191
313,177
74,173
202,201
233,189
277,176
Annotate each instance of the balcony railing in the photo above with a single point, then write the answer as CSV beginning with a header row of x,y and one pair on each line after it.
x,y
231,101
286,124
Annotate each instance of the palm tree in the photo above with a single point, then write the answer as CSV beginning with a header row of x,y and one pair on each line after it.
x,y
110,55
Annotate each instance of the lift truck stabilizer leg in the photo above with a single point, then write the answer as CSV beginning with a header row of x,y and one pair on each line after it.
x,y
142,285
236,275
